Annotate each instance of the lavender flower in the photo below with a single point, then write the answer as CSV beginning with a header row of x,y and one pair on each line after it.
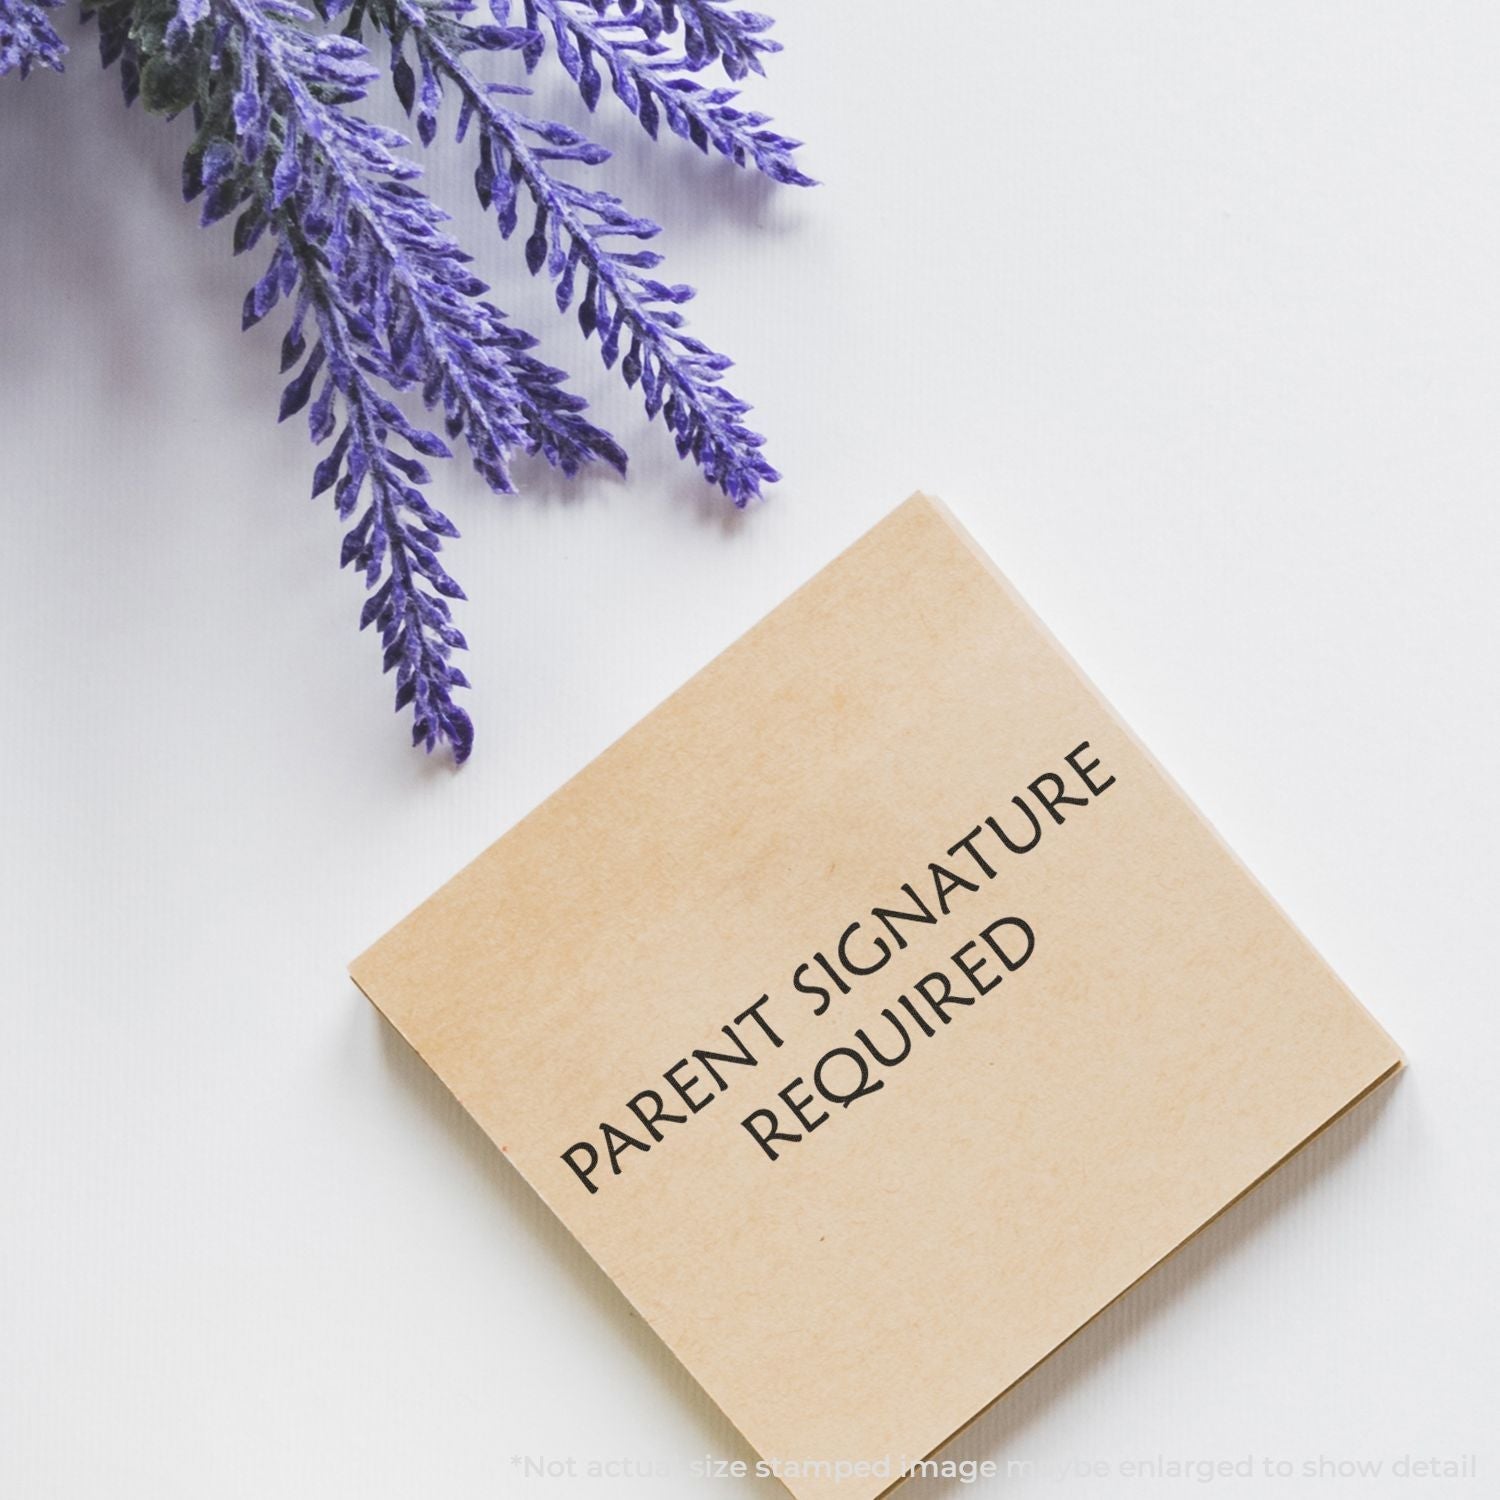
x,y
648,78
571,226
382,299
27,39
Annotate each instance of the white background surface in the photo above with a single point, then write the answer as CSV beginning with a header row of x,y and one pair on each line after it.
x,y
1190,310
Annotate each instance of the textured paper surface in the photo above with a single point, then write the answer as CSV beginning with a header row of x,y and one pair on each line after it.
x,y
1168,1039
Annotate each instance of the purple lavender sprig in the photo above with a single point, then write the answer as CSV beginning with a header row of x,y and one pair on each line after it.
x,y
389,299
648,78
386,294
571,228
383,302
27,39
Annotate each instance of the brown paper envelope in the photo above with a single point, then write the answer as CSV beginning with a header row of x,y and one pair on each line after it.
x,y
1125,1032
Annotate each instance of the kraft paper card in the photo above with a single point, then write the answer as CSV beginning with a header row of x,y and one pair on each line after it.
x,y
876,1011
